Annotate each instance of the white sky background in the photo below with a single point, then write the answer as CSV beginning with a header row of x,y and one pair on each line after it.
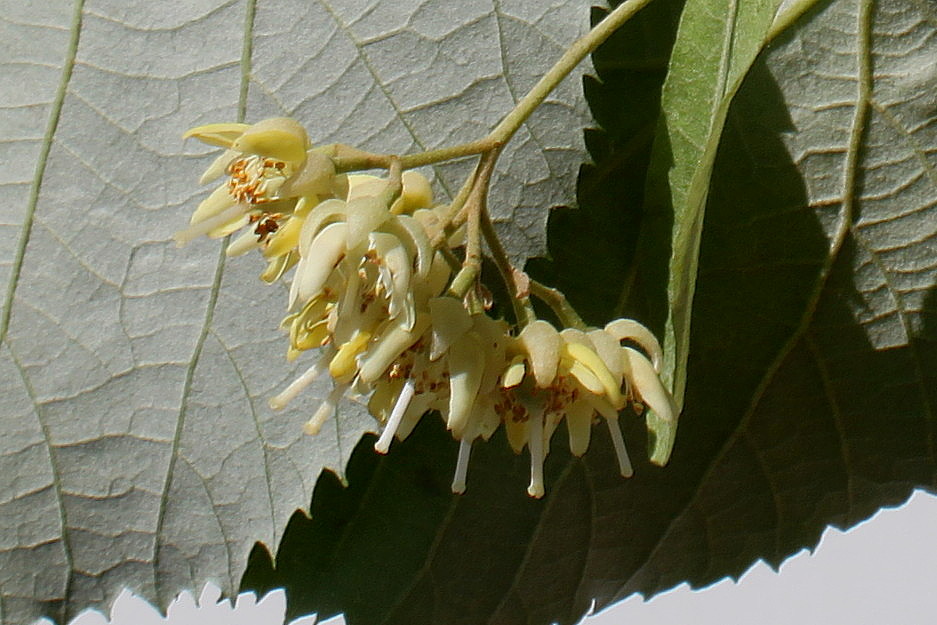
x,y
882,572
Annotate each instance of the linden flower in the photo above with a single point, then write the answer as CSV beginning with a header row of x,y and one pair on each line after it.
x,y
271,177
360,290
453,368
575,375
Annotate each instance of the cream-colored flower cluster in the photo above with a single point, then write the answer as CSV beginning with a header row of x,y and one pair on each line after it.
x,y
369,295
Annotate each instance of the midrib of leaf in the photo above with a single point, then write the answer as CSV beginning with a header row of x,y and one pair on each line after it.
x,y
29,218
864,23
56,476
54,115
246,49
366,61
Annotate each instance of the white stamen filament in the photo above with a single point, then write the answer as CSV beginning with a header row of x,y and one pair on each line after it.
x,y
535,446
624,462
325,411
396,416
279,401
461,466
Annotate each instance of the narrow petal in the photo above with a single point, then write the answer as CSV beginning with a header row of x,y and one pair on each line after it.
x,y
384,398
416,193
542,342
609,350
218,201
218,166
285,239
364,215
279,137
394,257
317,264
388,347
450,322
344,365
222,135
315,178
582,354
622,329
414,238
278,266
244,243
646,383
322,215
517,433
204,227
514,372
365,185
418,407
579,425
466,367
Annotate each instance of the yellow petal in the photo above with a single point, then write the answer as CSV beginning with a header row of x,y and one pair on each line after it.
x,y
466,367
417,193
579,426
450,322
322,215
218,201
388,347
228,227
365,185
222,135
542,343
383,398
315,177
344,365
514,373
517,433
278,266
218,166
582,354
646,383
364,215
244,243
281,138
583,375
324,253
285,239
621,329
609,350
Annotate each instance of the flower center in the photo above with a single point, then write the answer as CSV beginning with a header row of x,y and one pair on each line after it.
x,y
256,179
